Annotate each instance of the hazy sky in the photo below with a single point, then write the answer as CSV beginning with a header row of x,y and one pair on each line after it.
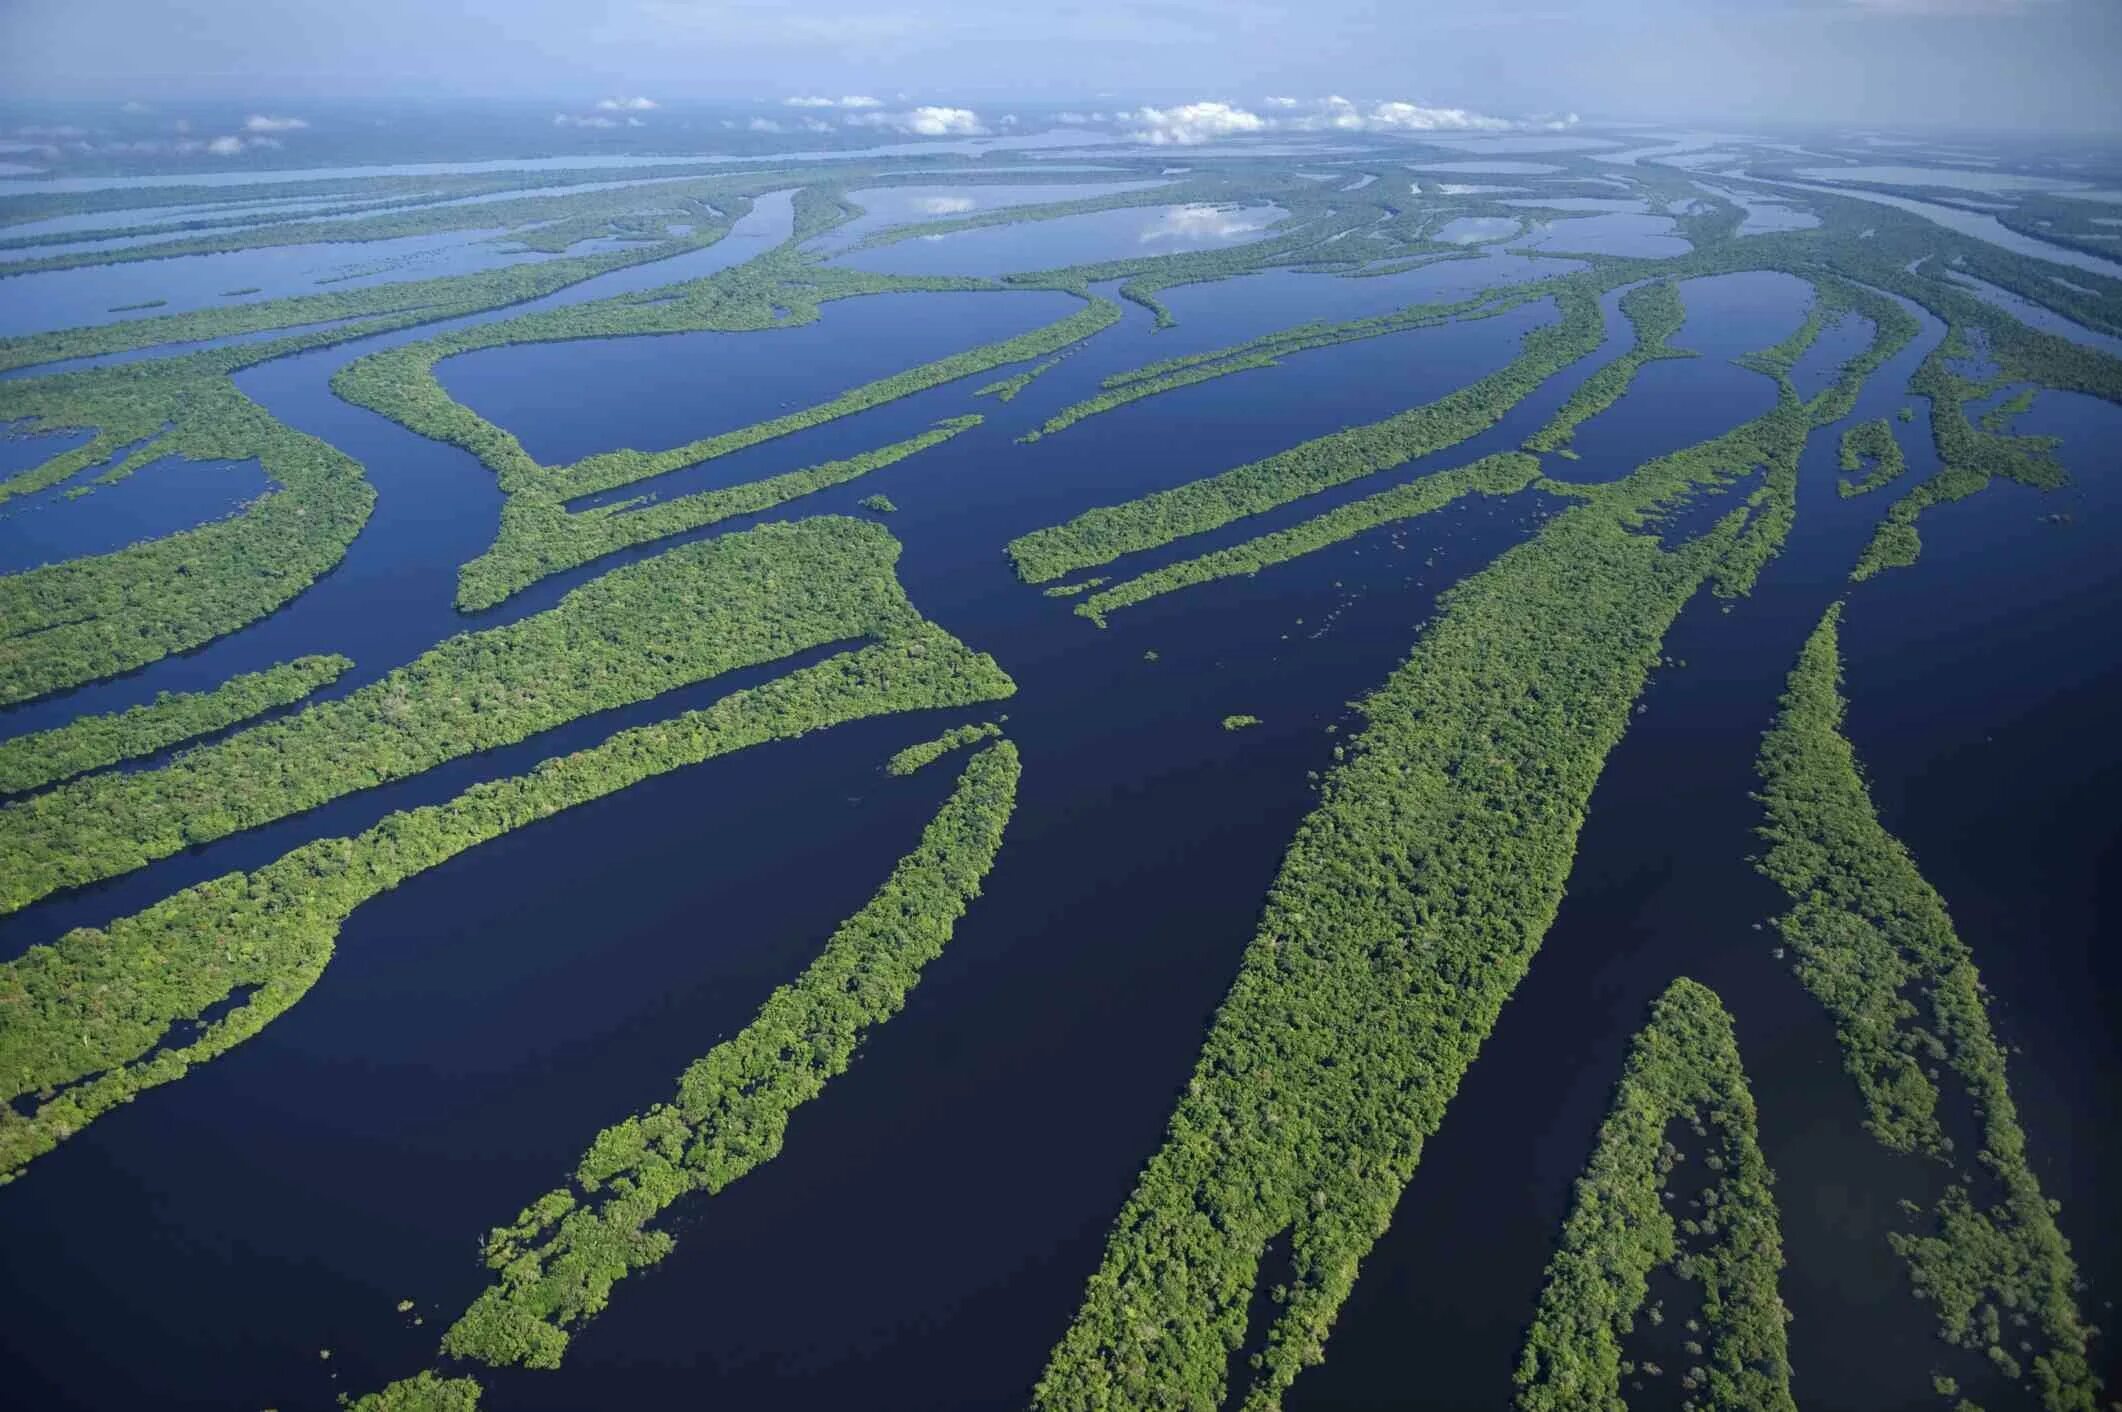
x,y
1969,63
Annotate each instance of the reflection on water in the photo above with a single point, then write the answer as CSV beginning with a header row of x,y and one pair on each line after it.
x,y
1474,230
1122,234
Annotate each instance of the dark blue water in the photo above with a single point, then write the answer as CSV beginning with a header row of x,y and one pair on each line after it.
x,y
391,597
688,902
924,1237
653,393
160,498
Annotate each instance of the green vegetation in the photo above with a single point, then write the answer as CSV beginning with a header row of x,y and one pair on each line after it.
x,y
91,742
1683,1068
1655,313
682,617
1102,535
1873,442
540,536
105,1013
536,526
69,623
882,504
1875,946
143,304
927,752
1406,910
424,1393
1006,389
1239,722
2000,417
1267,352
1491,475
1969,457
558,1261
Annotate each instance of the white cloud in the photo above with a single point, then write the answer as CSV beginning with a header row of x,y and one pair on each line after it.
x,y
1192,123
926,122
225,146
569,120
1413,117
626,105
763,125
945,205
816,125
260,122
852,100
134,107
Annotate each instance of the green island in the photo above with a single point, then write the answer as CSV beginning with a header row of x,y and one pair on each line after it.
x,y
1874,944
1870,444
1405,911
1263,352
1655,314
1682,1074
556,1263
1407,908
1502,474
540,536
685,616
927,752
538,533
1006,389
1099,536
105,1013
68,623
91,742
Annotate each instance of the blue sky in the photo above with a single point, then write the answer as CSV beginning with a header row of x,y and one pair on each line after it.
x,y
1968,63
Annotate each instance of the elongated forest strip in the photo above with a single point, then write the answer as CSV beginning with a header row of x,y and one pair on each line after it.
x,y
1266,351
105,1013
400,383
684,616
1655,314
927,752
91,742
1102,535
1407,908
1876,947
557,1262
1683,1067
540,536
1502,474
